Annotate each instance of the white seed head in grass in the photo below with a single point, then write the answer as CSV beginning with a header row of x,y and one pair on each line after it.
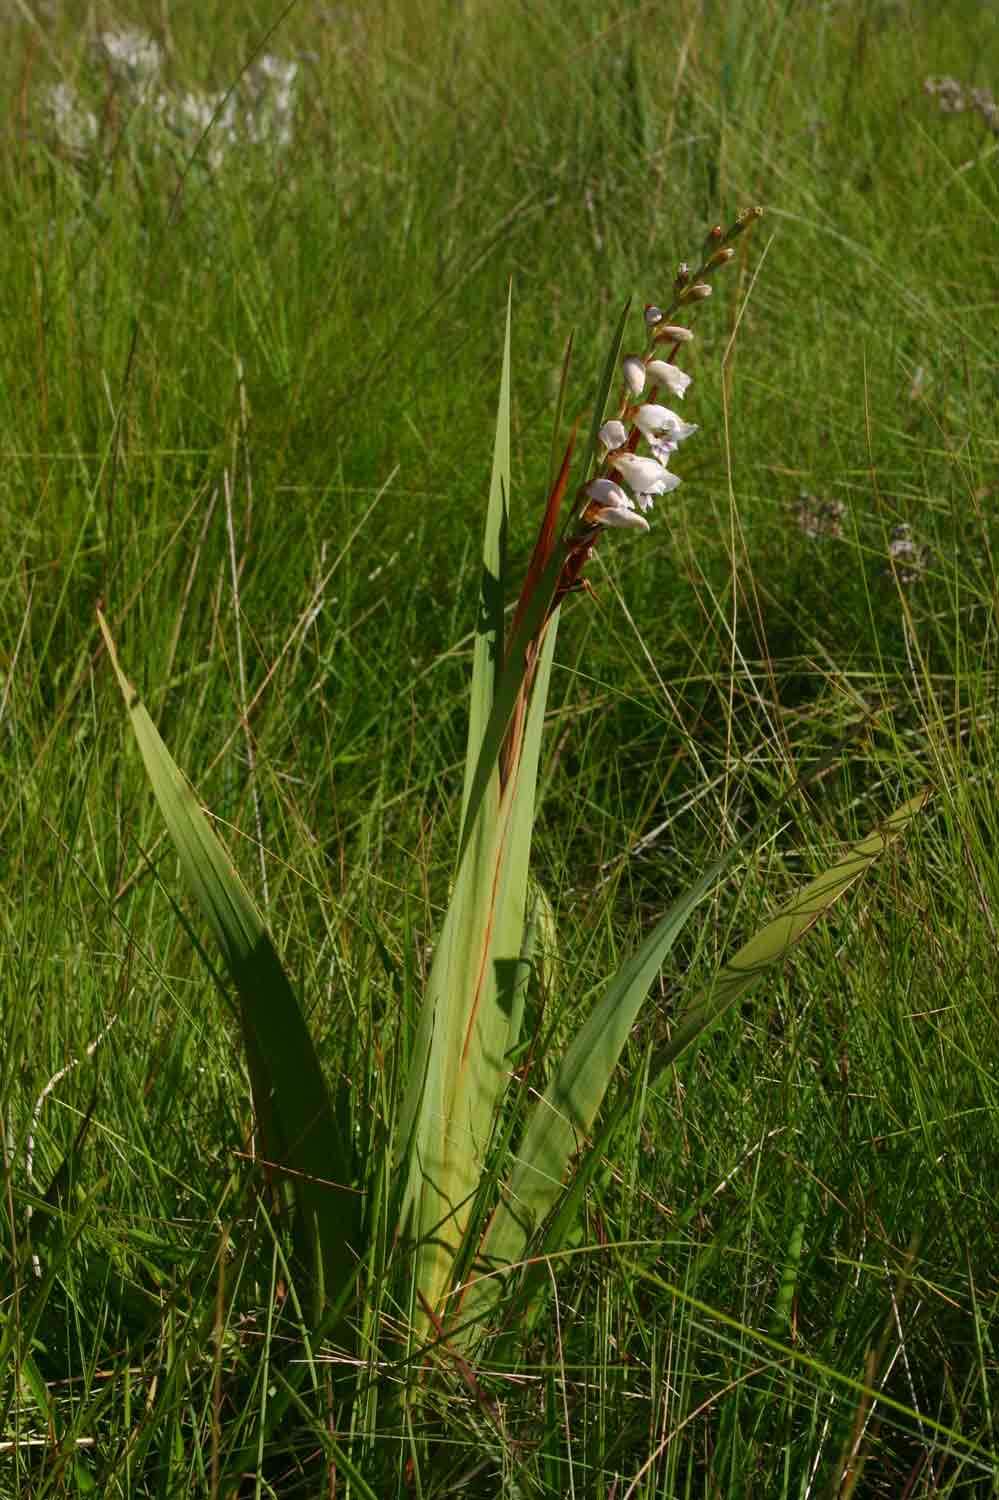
x,y
75,125
132,54
270,120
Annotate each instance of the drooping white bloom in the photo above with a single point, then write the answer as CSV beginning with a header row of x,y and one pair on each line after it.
x,y
279,72
658,421
606,492
633,370
646,476
616,515
674,379
613,435
653,315
612,507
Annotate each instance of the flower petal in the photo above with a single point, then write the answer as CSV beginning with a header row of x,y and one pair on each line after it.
x,y
644,475
614,515
613,435
633,370
606,492
659,421
676,381
662,449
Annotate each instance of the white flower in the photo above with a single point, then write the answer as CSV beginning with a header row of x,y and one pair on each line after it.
x,y
606,492
613,435
645,476
659,421
633,370
612,507
670,333
132,54
653,315
614,515
675,380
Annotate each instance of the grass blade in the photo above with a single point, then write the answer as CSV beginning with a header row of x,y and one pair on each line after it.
x,y
561,1120
603,389
299,1133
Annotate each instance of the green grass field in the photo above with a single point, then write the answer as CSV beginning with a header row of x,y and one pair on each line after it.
x,y
246,399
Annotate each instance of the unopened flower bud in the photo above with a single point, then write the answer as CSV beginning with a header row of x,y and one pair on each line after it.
x,y
697,292
633,370
714,236
653,315
670,333
720,257
682,276
744,221
613,435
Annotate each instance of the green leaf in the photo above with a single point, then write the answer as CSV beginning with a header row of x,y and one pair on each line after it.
x,y
508,688
298,1129
603,389
474,1000
560,1122
773,942
487,652
563,385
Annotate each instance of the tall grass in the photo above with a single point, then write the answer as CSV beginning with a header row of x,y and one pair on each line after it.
x,y
807,1213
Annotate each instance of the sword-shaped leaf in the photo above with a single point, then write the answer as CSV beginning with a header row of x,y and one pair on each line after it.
x,y
473,1004
298,1128
560,1122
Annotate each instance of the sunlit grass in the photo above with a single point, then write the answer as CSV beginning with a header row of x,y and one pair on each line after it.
x,y
308,320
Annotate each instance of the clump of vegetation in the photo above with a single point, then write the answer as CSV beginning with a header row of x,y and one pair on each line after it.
x,y
425,1185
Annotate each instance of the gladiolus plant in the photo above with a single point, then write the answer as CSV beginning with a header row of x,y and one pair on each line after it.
x,y
487,1173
